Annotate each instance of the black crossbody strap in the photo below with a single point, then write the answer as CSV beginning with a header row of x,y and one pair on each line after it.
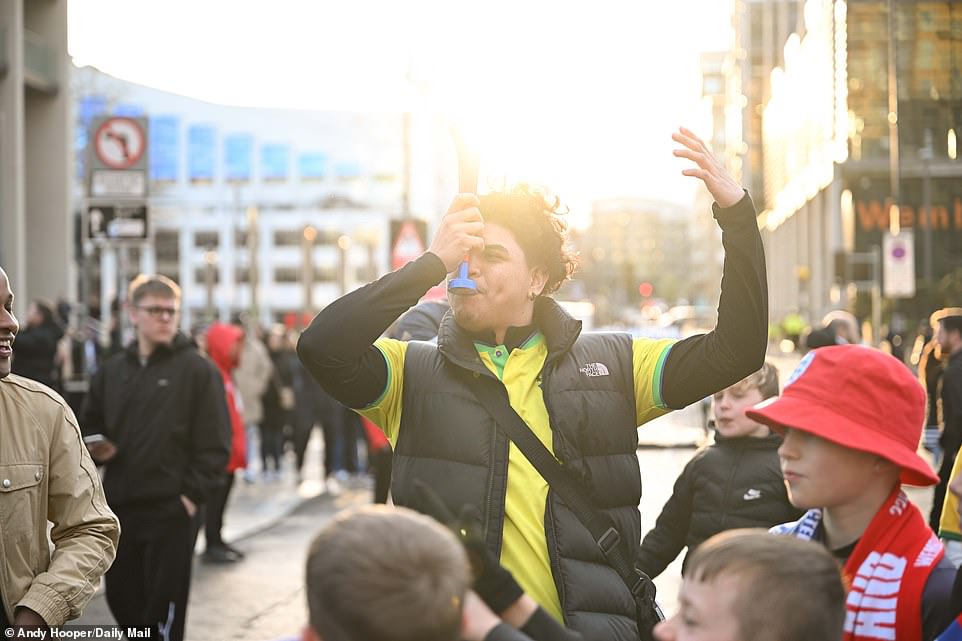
x,y
494,399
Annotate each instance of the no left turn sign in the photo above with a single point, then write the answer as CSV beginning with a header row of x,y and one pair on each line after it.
x,y
119,142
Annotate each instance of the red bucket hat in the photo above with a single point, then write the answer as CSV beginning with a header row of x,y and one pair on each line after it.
x,y
859,398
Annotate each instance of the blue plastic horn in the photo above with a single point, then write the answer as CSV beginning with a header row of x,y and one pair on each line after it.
x,y
462,285
468,166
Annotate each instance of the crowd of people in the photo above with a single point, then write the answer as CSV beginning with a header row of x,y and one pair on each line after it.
x,y
506,439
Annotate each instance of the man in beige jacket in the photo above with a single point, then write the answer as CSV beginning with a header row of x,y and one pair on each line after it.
x,y
45,475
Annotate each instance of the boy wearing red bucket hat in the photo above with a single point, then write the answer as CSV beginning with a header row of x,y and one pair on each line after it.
x,y
851,418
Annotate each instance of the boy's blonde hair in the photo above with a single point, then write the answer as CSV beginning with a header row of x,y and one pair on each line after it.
x,y
152,285
764,380
788,589
380,573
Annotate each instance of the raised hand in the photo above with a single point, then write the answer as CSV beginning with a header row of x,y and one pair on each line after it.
x,y
460,231
710,170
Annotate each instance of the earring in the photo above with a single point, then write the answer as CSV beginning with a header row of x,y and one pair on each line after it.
x,y
532,296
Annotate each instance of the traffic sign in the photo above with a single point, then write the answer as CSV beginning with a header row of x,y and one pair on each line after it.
x,y
117,222
407,241
118,158
898,265
118,183
119,142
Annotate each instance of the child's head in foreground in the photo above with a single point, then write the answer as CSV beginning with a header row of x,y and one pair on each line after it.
x,y
749,585
380,573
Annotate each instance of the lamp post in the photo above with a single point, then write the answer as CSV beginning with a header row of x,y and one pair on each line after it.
x,y
307,267
252,273
368,238
343,245
210,264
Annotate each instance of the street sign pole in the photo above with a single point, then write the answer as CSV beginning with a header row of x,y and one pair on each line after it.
x,y
872,285
116,210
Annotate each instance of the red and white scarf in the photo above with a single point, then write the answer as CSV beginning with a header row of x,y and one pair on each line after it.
x,y
886,572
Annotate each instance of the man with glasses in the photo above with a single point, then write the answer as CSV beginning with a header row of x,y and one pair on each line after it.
x,y
156,418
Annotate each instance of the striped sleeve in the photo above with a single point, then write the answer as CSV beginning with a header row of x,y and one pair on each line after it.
x,y
385,412
648,360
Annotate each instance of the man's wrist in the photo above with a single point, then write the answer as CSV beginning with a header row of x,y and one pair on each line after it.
x,y
436,265
742,211
520,612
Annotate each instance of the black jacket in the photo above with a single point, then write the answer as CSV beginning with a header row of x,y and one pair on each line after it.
x,y
286,368
168,419
735,483
951,439
35,354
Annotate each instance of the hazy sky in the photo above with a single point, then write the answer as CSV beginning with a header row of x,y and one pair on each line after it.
x,y
580,96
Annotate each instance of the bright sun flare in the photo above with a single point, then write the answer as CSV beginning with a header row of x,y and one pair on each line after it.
x,y
581,100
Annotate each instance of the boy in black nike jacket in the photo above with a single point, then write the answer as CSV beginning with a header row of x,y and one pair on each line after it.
x,y
734,483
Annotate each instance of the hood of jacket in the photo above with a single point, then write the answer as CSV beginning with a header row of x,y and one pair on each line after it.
x,y
224,344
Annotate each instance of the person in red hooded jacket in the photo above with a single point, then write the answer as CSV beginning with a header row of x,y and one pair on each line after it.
x,y
224,344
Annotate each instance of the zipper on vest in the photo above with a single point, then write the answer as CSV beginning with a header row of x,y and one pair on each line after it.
x,y
550,535
492,508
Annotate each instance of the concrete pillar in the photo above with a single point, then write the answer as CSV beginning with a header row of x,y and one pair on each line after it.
x,y
108,289
148,259
226,263
12,195
50,261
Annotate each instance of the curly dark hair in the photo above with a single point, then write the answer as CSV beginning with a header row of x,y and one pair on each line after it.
x,y
535,220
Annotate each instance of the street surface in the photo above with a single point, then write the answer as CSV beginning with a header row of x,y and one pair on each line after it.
x,y
262,597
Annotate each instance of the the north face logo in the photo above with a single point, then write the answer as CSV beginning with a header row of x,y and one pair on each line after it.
x,y
594,369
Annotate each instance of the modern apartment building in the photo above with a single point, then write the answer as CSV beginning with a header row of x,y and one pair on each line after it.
x,y
276,211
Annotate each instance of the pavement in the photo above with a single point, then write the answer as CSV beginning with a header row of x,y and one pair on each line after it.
x,y
255,507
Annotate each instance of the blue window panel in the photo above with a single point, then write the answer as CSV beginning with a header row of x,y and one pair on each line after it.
x,y
90,107
275,161
312,165
347,170
201,152
164,151
238,157
129,111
